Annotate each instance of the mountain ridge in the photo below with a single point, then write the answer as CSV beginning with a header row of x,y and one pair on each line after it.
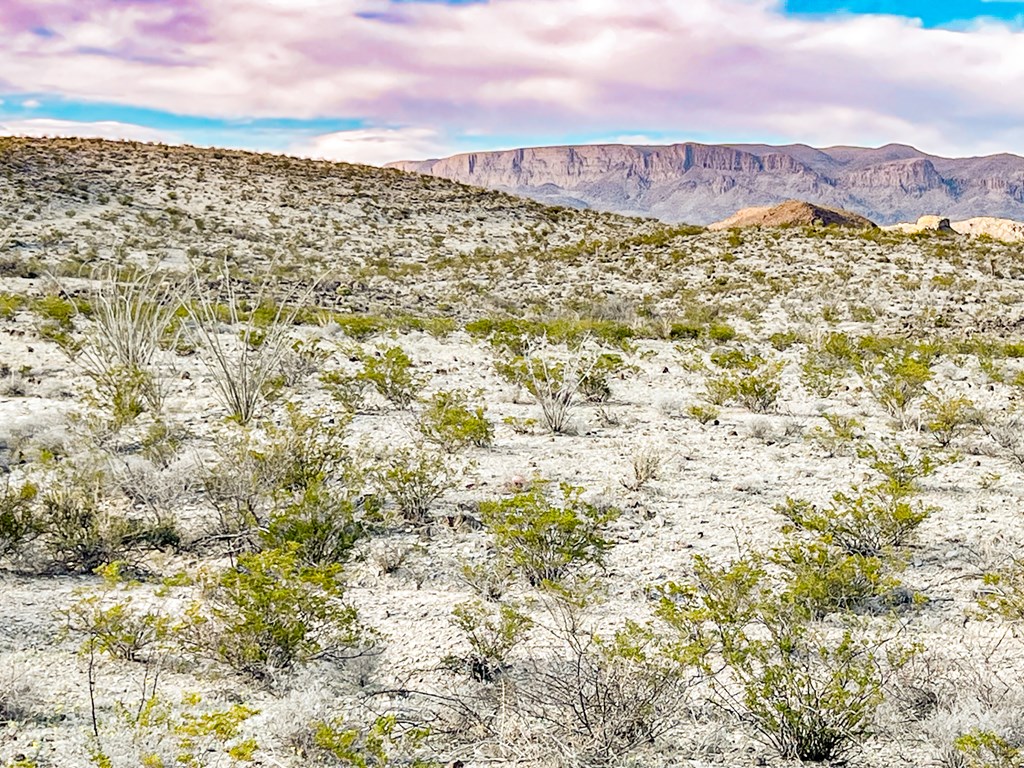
x,y
702,183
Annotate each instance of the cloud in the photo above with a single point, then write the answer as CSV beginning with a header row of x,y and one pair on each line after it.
x,y
729,68
373,146
104,129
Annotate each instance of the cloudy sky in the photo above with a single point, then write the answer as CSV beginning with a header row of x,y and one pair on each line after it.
x,y
379,80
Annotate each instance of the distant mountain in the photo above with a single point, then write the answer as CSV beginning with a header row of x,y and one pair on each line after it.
x,y
702,183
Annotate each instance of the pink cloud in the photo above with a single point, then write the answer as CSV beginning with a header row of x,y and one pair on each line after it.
x,y
728,67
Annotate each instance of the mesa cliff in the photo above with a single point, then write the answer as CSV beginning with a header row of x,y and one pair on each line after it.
x,y
701,183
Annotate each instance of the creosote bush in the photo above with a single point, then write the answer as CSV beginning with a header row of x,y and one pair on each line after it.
x,y
414,478
807,691
272,613
743,379
548,541
449,422
875,519
390,371
492,632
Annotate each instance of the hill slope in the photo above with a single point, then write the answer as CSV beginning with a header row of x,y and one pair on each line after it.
x,y
704,183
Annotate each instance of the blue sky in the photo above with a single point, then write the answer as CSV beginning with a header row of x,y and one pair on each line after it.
x,y
932,13
378,80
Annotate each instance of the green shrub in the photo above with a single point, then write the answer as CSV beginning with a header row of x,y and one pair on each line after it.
x,y
19,516
450,423
414,479
272,613
840,437
823,579
547,542
338,744
322,524
743,379
870,521
986,749
826,363
808,693
897,380
721,333
80,530
9,305
492,632
703,413
297,475
949,418
1003,593
391,373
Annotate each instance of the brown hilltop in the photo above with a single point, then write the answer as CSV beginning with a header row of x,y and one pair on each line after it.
x,y
794,213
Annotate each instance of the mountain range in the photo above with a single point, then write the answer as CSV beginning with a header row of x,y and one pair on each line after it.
x,y
703,183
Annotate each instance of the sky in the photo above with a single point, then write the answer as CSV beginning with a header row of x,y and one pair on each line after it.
x,y
380,80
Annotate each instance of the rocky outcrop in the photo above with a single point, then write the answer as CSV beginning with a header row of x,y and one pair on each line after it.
x,y
794,213
703,183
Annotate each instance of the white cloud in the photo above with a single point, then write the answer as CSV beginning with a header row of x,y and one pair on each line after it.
x,y
374,146
513,68
31,103
104,129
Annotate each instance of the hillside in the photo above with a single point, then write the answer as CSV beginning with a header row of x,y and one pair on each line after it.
x,y
307,465
793,213
700,183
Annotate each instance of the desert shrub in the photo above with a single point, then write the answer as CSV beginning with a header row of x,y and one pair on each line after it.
x,y
809,693
743,379
826,363
870,520
823,579
9,305
129,321
272,613
243,367
1003,592
783,340
449,422
1007,432
160,733
80,528
705,414
19,516
720,333
492,632
545,541
600,695
646,466
335,742
840,437
292,476
414,479
553,378
948,418
595,386
322,524
986,749
897,379
111,624
390,371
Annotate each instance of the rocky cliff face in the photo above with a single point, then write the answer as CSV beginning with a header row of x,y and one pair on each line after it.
x,y
703,183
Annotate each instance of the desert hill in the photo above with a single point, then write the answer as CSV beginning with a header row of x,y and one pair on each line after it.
x,y
701,183
793,213
503,476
